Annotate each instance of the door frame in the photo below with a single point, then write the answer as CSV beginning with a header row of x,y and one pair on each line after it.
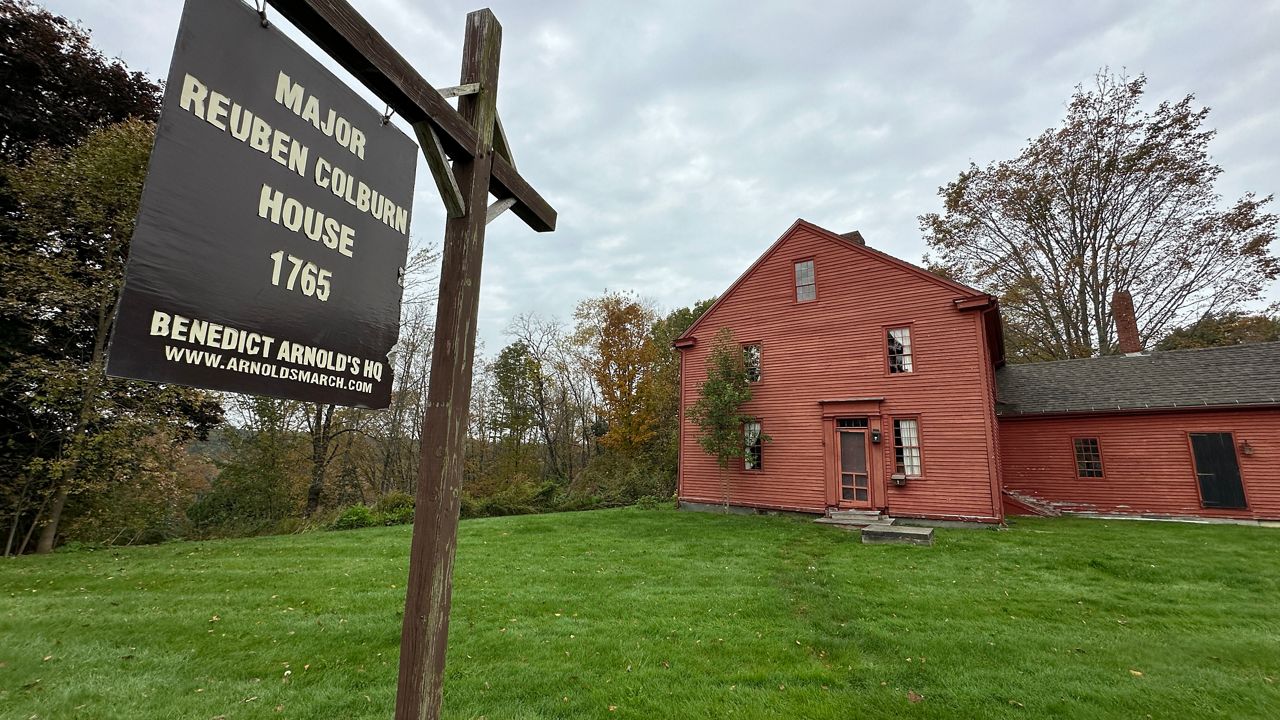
x,y
849,408
869,503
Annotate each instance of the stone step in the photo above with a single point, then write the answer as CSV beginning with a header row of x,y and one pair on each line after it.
x,y
855,514
854,523
900,534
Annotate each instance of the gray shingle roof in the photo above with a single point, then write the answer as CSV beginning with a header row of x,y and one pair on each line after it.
x,y
1235,375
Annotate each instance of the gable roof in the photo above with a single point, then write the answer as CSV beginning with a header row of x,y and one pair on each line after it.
x,y
1230,376
962,290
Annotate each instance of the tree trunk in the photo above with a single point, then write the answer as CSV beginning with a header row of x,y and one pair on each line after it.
x,y
91,383
17,517
49,532
320,439
35,522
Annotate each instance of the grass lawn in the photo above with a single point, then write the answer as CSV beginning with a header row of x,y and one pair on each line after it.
x,y
662,614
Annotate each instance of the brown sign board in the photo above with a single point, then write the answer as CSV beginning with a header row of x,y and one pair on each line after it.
x,y
271,240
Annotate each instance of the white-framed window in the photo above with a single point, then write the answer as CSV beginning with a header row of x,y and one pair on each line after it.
x,y
899,349
753,456
806,286
906,447
751,361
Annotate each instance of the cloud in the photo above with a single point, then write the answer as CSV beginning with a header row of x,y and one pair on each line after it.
x,y
679,139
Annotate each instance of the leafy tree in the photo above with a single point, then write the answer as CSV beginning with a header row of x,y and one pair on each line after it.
x,y
59,283
614,331
1117,198
663,390
717,411
515,376
264,478
68,193
1232,328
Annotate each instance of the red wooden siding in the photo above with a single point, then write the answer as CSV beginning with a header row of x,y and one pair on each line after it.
x,y
834,348
1146,460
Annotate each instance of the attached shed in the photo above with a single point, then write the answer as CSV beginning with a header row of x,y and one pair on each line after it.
x,y
1158,434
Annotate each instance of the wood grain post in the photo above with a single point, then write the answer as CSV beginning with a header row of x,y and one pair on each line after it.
x,y
435,528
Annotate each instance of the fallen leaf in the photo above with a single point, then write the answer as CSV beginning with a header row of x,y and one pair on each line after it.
x,y
914,696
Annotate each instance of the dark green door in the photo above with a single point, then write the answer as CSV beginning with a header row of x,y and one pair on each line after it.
x,y
1217,470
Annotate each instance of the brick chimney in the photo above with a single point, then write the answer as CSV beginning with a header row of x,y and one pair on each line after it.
x,y
855,237
1126,322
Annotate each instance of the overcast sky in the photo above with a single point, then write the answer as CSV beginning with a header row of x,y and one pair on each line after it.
x,y
678,139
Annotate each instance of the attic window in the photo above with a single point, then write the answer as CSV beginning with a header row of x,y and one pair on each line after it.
x,y
899,346
806,288
1088,457
751,361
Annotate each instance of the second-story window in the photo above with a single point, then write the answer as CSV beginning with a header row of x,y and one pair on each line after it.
x,y
899,340
806,288
751,362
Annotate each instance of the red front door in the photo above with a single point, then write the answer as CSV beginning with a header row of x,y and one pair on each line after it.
x,y
855,484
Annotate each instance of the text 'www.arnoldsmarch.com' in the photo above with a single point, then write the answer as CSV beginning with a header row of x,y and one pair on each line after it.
x,y
257,367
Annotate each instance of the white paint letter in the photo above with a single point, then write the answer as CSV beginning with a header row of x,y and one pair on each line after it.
x,y
193,94
159,320
260,138
289,94
217,110
357,142
269,202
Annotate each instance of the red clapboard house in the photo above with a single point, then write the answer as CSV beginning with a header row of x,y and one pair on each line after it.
x,y
876,385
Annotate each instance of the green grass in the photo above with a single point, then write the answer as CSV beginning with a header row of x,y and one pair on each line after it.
x,y
661,614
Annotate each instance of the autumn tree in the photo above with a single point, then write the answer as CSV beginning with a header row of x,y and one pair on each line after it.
x,y
1234,328
1116,198
717,412
614,330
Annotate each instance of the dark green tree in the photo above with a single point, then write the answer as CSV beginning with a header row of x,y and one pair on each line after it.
x,y
515,374
1116,198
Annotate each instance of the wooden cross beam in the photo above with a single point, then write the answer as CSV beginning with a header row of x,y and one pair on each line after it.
x,y
350,40
472,138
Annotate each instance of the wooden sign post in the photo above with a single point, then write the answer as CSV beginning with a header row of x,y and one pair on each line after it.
x,y
482,165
